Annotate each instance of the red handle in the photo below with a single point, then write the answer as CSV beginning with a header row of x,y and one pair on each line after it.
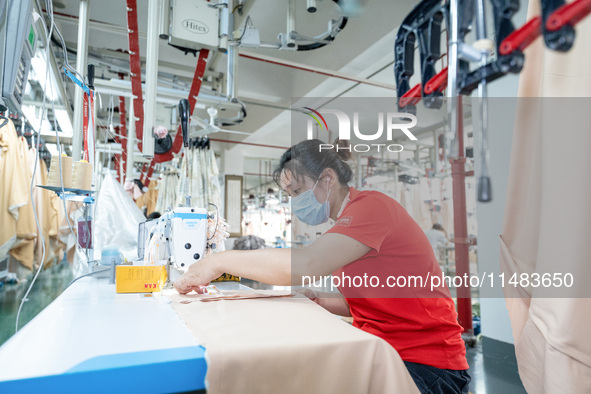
x,y
568,14
522,37
437,83
411,97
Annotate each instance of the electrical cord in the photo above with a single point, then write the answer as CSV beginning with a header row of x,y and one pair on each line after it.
x,y
39,230
331,36
49,10
85,275
53,27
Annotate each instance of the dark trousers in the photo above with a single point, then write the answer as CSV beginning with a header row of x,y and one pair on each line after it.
x,y
431,380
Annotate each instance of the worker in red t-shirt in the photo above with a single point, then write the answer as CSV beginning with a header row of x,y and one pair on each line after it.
x,y
379,256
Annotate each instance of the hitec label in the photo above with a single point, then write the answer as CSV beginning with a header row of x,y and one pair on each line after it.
x,y
195,26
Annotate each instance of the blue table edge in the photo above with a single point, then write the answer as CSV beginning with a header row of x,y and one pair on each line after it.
x,y
154,371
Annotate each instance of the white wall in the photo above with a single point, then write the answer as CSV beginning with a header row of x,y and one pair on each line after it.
x,y
495,321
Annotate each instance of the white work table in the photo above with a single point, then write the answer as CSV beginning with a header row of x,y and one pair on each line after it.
x,y
92,339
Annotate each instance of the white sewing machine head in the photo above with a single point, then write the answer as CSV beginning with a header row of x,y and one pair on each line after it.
x,y
178,239
188,236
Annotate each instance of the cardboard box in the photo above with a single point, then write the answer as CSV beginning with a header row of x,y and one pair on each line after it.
x,y
140,279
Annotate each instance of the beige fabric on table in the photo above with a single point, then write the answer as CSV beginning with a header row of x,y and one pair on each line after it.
x,y
548,220
289,345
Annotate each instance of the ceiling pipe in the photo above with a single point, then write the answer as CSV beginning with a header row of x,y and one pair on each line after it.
x,y
81,68
290,24
249,143
164,95
317,70
151,78
231,73
95,25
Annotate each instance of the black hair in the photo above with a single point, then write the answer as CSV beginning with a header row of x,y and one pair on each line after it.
x,y
306,158
438,226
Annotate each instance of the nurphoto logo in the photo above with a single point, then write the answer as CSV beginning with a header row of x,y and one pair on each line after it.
x,y
393,122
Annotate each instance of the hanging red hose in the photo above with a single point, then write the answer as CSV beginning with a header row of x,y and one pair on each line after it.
x,y
135,69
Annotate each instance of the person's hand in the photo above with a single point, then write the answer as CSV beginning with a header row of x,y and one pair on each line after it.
x,y
309,293
198,275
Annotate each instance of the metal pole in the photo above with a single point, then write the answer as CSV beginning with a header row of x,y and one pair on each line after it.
x,y
188,157
121,178
484,186
130,143
455,151
163,19
435,155
81,59
97,163
290,23
232,68
458,172
151,79
452,83
123,138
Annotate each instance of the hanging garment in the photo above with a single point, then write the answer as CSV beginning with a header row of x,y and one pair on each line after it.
x,y
116,219
167,191
181,185
547,226
205,177
14,190
56,215
26,229
44,214
148,200
68,234
151,197
198,179
214,189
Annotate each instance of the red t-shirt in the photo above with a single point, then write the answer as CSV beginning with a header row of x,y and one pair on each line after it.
x,y
420,323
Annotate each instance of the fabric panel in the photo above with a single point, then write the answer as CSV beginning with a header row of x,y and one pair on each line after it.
x,y
289,346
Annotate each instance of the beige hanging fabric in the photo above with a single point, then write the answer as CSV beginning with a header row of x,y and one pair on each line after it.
x,y
289,345
547,224
14,189
26,228
149,198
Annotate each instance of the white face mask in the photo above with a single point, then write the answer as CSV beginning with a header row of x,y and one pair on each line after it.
x,y
307,208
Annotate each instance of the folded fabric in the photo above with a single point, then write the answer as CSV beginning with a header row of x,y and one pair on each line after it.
x,y
288,345
234,295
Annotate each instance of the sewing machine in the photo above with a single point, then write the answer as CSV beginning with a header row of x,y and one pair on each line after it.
x,y
178,238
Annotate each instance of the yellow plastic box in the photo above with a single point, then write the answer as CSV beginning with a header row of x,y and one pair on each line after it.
x,y
140,279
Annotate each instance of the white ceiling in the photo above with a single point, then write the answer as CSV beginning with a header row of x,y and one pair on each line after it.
x,y
364,49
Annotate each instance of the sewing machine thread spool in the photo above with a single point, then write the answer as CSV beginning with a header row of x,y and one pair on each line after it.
x,y
54,171
82,175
